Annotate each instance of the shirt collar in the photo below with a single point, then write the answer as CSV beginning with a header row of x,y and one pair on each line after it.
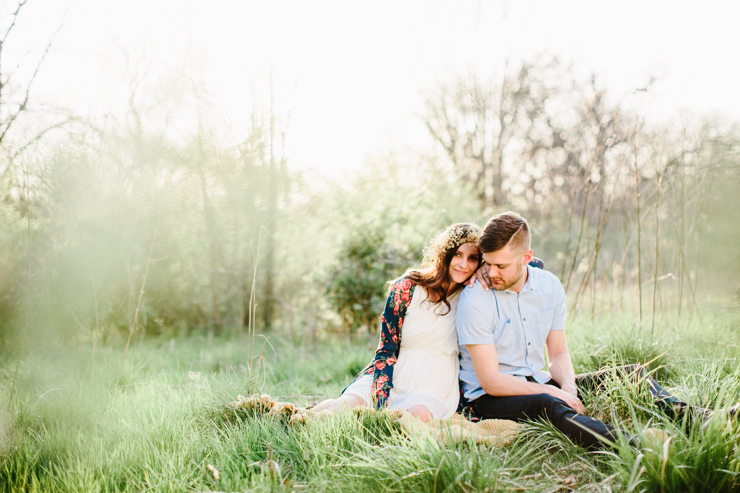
x,y
531,282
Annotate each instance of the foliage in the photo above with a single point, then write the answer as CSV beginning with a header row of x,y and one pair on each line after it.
x,y
625,213
356,285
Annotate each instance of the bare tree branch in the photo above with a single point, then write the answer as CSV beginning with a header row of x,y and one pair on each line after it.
x,y
8,122
5,38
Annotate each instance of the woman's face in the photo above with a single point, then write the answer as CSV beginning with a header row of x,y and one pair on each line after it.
x,y
464,262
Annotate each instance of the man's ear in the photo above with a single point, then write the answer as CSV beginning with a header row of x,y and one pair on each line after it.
x,y
528,256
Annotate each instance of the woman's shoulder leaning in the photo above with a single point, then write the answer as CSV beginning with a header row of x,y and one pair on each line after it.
x,y
402,290
402,283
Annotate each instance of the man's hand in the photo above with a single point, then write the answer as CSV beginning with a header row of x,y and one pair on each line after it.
x,y
569,388
480,275
569,399
485,363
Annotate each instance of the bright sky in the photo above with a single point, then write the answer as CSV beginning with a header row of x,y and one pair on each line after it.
x,y
350,74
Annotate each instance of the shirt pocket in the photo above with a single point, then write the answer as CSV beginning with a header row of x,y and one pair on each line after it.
x,y
542,321
504,337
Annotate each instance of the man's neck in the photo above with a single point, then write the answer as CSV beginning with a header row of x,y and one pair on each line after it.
x,y
517,288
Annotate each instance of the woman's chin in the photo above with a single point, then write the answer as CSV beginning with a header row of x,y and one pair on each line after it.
x,y
458,279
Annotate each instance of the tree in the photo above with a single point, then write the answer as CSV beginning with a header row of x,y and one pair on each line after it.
x,y
14,101
477,122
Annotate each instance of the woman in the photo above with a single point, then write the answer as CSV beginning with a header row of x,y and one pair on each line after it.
x,y
420,374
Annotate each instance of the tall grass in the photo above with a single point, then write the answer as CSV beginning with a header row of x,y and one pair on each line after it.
x,y
169,425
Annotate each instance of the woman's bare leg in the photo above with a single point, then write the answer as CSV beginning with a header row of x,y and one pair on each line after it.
x,y
323,405
421,412
345,401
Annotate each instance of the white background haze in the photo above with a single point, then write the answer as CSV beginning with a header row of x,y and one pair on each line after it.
x,y
350,76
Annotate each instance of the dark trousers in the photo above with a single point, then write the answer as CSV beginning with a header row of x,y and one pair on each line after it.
x,y
582,429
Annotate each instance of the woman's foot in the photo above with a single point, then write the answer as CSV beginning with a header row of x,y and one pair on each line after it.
x,y
421,412
344,402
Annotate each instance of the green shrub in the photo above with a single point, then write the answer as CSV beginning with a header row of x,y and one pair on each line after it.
x,y
356,288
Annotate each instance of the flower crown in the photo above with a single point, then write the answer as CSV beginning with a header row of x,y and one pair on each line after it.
x,y
451,238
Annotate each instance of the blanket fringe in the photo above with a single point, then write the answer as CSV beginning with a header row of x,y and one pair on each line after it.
x,y
491,432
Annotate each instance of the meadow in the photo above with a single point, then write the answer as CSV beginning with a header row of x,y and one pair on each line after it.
x,y
169,424
151,274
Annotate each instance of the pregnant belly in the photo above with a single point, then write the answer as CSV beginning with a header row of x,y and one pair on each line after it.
x,y
420,372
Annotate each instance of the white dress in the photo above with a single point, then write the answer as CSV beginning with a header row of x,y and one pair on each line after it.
x,y
427,369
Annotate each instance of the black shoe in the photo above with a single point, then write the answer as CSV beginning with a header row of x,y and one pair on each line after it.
x,y
653,436
731,413
633,440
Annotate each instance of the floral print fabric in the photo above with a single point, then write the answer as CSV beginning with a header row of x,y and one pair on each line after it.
x,y
391,323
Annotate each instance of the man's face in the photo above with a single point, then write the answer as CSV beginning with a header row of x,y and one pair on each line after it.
x,y
506,268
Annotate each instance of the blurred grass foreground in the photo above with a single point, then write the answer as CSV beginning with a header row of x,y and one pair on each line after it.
x,y
170,424
149,277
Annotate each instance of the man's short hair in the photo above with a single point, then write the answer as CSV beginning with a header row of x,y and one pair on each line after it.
x,y
508,228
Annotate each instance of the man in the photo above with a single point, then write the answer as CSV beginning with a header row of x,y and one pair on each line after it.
x,y
504,333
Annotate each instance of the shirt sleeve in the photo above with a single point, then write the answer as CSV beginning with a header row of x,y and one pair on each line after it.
x,y
389,346
476,314
560,314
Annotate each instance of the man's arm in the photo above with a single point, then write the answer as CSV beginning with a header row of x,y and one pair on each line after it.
x,y
493,382
560,365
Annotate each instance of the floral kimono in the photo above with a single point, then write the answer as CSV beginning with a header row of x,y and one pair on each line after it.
x,y
381,367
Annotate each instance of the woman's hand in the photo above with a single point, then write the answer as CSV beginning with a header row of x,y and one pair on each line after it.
x,y
480,275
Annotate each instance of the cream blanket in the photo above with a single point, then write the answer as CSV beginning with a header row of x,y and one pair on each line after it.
x,y
492,432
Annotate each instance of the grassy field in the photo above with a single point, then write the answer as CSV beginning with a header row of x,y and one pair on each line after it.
x,y
169,426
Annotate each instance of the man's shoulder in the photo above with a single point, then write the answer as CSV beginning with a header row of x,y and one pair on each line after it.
x,y
476,312
546,281
476,294
475,300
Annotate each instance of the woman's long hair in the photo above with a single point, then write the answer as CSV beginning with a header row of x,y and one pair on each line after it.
x,y
434,273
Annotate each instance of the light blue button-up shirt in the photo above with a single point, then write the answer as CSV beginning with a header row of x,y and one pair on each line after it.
x,y
517,323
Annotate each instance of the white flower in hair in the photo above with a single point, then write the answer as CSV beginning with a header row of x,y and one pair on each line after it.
x,y
451,238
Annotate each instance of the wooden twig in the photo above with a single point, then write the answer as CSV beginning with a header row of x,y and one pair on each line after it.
x,y
97,320
682,236
28,281
580,235
657,251
637,202
141,291
253,305
5,126
600,228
